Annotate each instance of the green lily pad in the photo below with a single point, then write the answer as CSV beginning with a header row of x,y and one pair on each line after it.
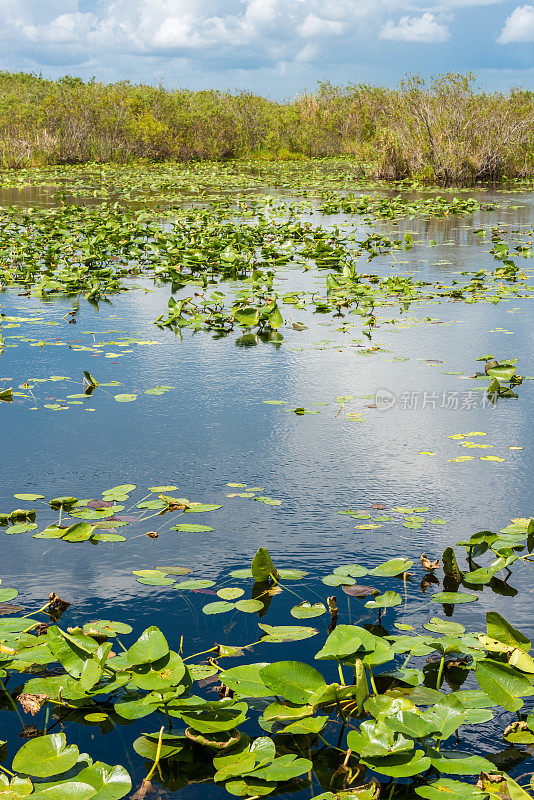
x,y
249,606
201,507
230,593
306,610
386,600
286,633
218,607
193,585
46,756
453,597
185,528
21,527
391,568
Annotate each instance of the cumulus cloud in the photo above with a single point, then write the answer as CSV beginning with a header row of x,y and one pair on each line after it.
x,y
308,53
146,27
519,26
65,28
319,26
230,42
416,29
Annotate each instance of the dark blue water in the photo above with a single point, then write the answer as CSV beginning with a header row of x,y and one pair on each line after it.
x,y
214,428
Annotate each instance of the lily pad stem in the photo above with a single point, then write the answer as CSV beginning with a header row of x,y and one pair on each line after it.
x,y
202,652
39,610
440,671
330,746
158,753
372,680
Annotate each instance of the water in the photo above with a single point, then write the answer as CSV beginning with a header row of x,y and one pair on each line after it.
x,y
214,428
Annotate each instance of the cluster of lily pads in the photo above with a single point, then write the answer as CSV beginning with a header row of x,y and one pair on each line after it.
x,y
172,181
98,520
99,249
380,727
398,206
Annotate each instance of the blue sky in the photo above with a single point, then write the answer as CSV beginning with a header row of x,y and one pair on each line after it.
x,y
273,47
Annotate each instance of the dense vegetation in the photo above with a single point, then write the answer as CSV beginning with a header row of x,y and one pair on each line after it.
x,y
347,680
444,130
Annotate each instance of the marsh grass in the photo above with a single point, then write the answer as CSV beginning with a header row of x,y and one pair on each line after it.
x,y
441,131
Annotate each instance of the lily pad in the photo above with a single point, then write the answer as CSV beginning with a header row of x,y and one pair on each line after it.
x,y
185,528
453,597
306,610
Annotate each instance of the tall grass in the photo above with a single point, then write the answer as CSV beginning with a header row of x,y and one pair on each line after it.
x,y
443,130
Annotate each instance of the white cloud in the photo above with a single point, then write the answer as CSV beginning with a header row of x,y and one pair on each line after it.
x,y
268,27
416,29
65,28
308,53
234,43
519,27
318,26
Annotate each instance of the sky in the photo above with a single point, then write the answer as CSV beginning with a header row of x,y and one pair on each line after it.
x,y
277,48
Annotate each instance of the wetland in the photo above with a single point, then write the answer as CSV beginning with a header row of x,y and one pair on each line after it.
x,y
266,484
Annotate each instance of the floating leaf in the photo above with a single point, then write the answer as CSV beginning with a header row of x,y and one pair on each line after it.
x,y
338,580
219,607
197,508
306,610
241,573
452,765
46,756
394,566
246,680
249,606
79,532
230,593
185,528
21,527
293,680
360,591
453,597
193,585
107,537
156,580
291,574
386,600
286,633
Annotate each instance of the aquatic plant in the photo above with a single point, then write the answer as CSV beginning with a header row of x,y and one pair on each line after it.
x,y
392,720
